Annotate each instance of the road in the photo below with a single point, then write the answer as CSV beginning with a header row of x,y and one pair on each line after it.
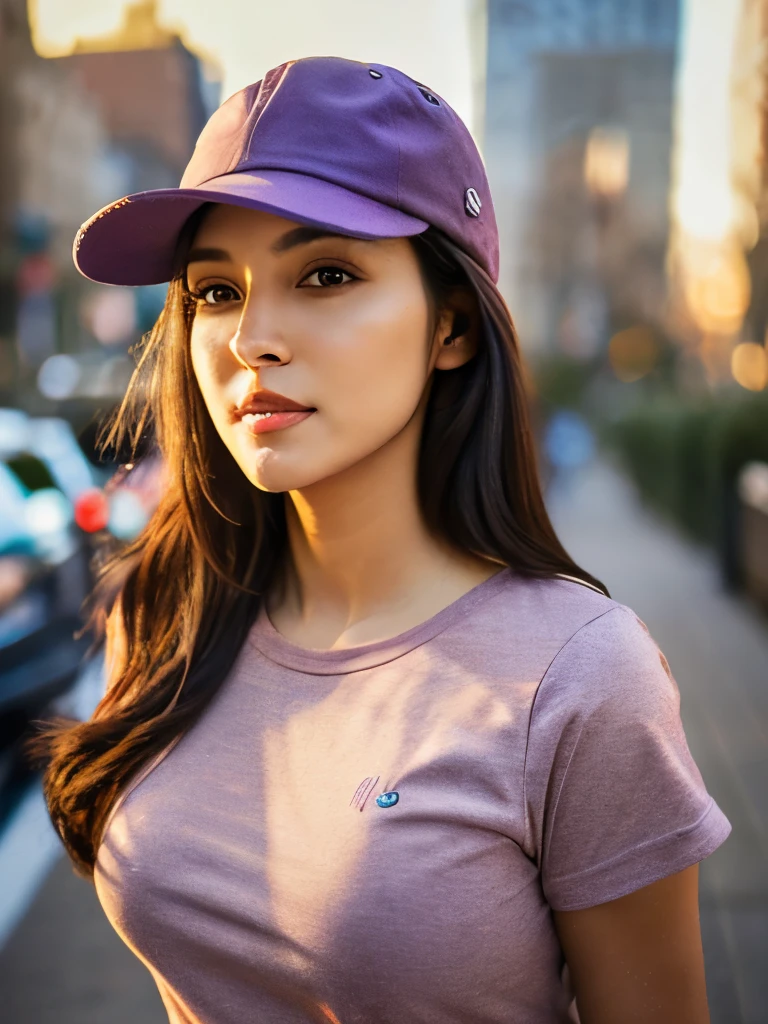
x,y
63,963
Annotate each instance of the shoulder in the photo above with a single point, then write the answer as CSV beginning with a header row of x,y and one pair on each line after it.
x,y
571,643
610,664
544,613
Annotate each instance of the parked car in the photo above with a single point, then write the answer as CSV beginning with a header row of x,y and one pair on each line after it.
x,y
44,575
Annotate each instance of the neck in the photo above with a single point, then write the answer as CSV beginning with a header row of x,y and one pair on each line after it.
x,y
359,549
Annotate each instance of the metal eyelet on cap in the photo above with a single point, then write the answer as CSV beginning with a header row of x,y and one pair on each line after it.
x,y
472,203
374,74
428,96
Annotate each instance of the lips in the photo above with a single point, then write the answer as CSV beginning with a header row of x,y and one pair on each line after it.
x,y
267,401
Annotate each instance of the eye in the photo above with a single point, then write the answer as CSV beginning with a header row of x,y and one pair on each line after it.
x,y
333,272
216,294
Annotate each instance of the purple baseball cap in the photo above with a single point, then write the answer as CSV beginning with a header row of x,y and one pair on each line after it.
x,y
359,149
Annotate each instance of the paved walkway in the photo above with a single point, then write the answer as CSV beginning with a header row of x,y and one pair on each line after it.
x,y
64,964
717,647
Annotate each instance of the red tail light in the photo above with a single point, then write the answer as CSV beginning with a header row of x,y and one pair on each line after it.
x,y
92,510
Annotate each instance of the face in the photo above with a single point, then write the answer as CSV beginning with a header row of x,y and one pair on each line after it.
x,y
338,325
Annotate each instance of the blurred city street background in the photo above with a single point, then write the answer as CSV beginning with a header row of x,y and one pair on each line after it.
x,y
625,144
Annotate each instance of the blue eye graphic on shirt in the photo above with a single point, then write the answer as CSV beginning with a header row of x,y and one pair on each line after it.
x,y
386,799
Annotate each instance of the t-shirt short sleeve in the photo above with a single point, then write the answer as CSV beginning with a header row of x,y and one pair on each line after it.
x,y
614,800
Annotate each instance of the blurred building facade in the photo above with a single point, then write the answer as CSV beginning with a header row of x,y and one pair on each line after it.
x,y
751,91
119,114
154,96
718,256
578,143
54,147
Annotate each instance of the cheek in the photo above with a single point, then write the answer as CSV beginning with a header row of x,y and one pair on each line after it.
x,y
365,368
375,368
213,366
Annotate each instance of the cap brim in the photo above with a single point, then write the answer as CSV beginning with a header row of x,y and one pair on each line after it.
x,y
133,241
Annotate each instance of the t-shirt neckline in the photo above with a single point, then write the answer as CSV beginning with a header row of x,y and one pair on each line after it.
x,y
273,645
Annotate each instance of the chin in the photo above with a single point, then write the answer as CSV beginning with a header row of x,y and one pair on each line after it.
x,y
267,471
277,470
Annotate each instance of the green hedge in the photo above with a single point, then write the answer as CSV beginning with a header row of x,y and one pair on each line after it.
x,y
684,457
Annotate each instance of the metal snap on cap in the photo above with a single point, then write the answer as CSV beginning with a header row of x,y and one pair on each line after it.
x,y
428,96
387,799
472,203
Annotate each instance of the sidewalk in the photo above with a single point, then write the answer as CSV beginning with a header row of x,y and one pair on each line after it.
x,y
64,964
717,647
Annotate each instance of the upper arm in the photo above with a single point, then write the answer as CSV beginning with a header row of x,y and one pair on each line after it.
x,y
638,959
613,797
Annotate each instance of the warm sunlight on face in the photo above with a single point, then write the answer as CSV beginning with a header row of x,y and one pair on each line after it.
x,y
338,325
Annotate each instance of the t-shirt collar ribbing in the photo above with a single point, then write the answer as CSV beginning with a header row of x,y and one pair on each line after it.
x,y
273,645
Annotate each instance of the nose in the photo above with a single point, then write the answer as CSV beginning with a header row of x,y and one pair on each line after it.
x,y
257,340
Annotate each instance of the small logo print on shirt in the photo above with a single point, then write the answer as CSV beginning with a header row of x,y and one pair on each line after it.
x,y
364,790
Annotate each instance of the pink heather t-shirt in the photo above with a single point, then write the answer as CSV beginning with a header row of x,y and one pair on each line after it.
x,y
380,834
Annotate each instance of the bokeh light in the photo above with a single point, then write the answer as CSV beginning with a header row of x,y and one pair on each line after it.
x,y
48,511
753,485
110,315
58,377
127,515
717,289
92,510
568,440
606,161
633,353
749,366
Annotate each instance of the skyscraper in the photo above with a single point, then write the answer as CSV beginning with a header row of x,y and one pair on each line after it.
x,y
557,71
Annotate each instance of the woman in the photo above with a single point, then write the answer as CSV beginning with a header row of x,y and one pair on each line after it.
x,y
374,748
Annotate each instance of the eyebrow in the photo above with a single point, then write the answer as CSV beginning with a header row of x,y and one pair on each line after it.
x,y
296,236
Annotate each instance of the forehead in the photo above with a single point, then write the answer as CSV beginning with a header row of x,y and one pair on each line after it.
x,y
221,220
244,230
223,223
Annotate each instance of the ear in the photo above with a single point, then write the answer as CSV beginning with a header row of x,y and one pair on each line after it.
x,y
456,334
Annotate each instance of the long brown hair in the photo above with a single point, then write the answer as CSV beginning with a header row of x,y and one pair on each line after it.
x,y
191,583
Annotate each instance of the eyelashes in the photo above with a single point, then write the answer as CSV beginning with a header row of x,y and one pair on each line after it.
x,y
201,294
331,267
